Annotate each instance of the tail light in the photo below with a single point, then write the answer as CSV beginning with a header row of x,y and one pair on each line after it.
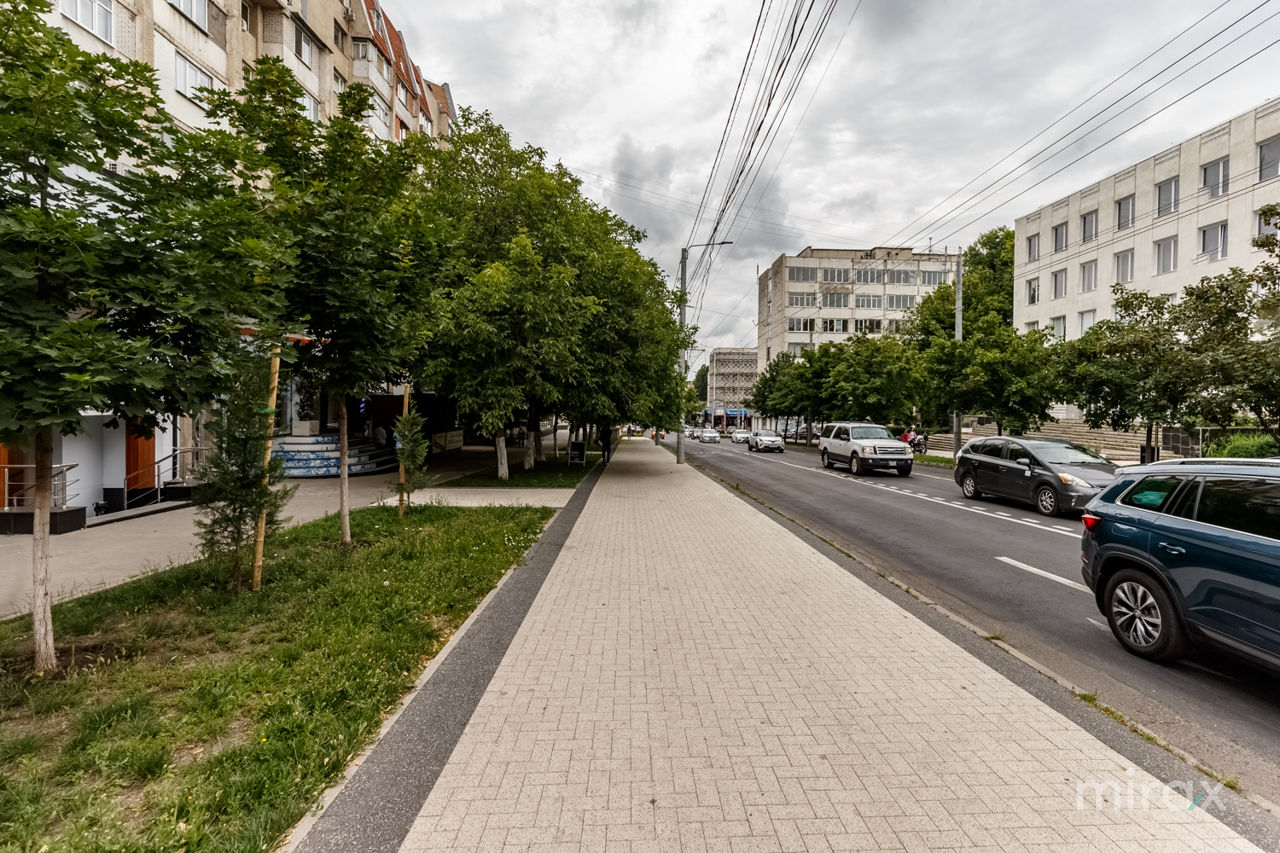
x,y
1090,521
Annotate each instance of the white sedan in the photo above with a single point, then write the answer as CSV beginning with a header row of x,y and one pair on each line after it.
x,y
709,436
741,436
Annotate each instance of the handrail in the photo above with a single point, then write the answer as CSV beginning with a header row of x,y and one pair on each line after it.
x,y
22,496
177,470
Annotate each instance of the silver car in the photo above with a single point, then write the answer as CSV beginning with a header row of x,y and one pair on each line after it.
x,y
709,436
765,439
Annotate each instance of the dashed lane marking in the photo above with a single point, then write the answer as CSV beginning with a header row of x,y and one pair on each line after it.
x,y
1042,573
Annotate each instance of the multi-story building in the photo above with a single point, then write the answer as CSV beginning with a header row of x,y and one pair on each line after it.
x,y
1166,222
731,374
822,295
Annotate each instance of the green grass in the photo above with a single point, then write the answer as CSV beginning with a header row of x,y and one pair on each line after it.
x,y
194,717
935,460
551,474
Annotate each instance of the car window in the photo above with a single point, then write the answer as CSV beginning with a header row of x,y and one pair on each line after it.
x,y
1014,452
1152,492
828,430
991,447
842,434
767,433
872,432
1247,504
1067,454
1183,503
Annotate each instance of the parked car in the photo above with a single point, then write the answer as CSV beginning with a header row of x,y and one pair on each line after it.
x,y
765,439
709,436
1188,552
1052,474
863,446
740,436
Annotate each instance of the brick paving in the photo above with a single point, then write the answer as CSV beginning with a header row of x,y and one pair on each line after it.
x,y
694,676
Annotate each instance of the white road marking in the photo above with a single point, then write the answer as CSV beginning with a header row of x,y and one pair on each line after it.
x,y
1042,573
1102,625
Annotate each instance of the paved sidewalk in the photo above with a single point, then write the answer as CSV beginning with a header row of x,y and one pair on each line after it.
x,y
694,676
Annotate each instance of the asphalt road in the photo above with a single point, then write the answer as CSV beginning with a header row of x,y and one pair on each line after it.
x,y
1016,574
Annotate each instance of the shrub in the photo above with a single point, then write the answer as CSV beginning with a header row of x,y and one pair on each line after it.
x,y
1244,445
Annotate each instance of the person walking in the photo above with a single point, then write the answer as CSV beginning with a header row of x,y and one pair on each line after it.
x,y
606,444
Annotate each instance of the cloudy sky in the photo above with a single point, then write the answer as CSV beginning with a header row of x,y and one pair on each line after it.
x,y
903,103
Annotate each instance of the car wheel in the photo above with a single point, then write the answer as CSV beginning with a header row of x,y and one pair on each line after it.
x,y
904,471
969,487
826,460
857,465
1046,500
1142,616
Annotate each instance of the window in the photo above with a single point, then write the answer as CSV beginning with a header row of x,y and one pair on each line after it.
x,y
1216,177
932,278
1166,255
1151,492
1033,247
196,10
1088,276
1059,326
806,299
868,300
1124,267
901,277
893,326
1265,227
339,83
1213,241
359,49
1033,291
866,327
1060,237
1167,197
991,447
868,276
339,37
1014,451
838,276
1245,504
799,324
835,300
795,349
836,326
1089,226
380,119
1124,213
403,91
384,68
1087,319
302,45
1059,284
1032,326
802,273
902,301
1269,159
189,77
310,107
93,15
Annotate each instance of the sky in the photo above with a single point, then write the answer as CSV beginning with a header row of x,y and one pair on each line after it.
x,y
903,103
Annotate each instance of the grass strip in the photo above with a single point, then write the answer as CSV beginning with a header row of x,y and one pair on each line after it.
x,y
553,473
194,717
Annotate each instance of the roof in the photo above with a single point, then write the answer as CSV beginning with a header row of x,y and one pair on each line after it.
x,y
443,97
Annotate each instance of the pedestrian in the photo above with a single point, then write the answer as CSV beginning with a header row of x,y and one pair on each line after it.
x,y
606,444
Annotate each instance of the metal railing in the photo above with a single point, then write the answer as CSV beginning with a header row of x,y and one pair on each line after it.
x,y
18,486
146,484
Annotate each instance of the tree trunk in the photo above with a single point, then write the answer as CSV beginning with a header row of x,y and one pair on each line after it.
x,y
344,508
41,606
500,444
999,428
532,436
537,439
555,436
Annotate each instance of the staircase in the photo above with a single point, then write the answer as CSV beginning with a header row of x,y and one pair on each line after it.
x,y
1117,446
317,456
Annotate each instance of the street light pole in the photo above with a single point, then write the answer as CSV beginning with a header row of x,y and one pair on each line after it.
x,y
955,416
684,361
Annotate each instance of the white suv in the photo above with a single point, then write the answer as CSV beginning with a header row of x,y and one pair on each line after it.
x,y
862,447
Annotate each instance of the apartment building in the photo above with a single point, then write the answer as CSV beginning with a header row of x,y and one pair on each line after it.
x,y
1159,225
731,374
822,295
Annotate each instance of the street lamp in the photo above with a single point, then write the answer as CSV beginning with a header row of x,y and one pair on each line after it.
x,y
684,362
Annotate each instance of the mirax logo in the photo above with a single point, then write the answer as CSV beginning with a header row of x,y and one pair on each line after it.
x,y
1130,792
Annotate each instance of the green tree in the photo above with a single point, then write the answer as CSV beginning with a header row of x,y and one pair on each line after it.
x,y
875,379
700,382
411,449
987,289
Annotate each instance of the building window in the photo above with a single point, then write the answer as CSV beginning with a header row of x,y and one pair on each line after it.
x,y
802,273
836,326
1087,319
867,327
381,117
1213,241
1167,197
339,83
384,68
868,300
798,299
837,276
1124,213
1088,276
1216,177
1032,326
868,276
359,49
799,324
835,300
196,10
1265,227
892,326
1059,284
339,37
902,301
189,77
303,47
932,278
1124,267
93,15
795,349
1060,237
1166,255
1059,326
901,277
310,107
1269,159
1033,291
1089,226
1033,247
403,91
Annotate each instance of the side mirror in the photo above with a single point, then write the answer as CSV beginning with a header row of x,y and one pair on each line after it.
x,y
1024,461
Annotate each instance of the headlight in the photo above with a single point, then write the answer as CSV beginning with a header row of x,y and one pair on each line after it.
x,y
1072,480
870,451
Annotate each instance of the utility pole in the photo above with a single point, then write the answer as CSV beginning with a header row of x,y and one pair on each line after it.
x,y
955,416
684,362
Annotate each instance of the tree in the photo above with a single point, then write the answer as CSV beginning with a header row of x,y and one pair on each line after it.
x,y
411,450
875,379
700,382
987,289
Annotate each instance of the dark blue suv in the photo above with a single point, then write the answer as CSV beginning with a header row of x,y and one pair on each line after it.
x,y
1189,550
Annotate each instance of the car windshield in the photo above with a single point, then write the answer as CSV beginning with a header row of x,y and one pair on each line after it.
x,y
870,432
1066,454
767,433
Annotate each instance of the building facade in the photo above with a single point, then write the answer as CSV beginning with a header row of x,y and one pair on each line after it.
x,y
731,374
822,295
1166,222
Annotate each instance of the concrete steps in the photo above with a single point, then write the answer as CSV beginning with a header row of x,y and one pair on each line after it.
x,y
318,455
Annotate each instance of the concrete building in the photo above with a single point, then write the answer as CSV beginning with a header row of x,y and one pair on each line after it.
x,y
731,374
1157,226
822,295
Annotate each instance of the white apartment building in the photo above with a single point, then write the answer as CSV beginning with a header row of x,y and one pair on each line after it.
x,y
1157,226
731,374
822,295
